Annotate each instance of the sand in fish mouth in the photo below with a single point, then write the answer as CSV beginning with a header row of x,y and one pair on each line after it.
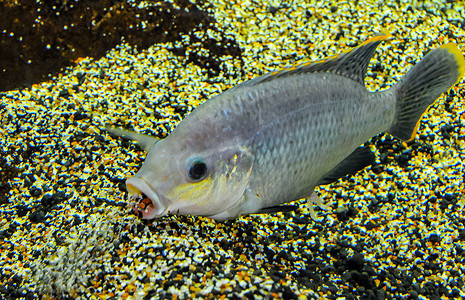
x,y
142,205
145,202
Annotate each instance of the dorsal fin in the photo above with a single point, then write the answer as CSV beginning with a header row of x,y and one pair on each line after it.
x,y
352,64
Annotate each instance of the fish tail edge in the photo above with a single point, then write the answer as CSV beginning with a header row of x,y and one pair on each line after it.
x,y
435,74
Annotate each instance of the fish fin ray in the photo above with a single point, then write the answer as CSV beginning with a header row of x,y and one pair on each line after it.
x,y
144,141
356,161
352,64
435,74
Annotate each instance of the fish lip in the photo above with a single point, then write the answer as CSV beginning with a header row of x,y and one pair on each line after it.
x,y
137,186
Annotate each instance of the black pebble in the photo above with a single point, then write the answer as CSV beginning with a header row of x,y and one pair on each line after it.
x,y
284,255
461,236
377,68
99,201
328,269
22,210
332,288
346,214
79,116
168,283
447,127
249,295
434,238
445,134
449,197
448,108
371,225
418,253
377,169
413,295
454,294
354,276
64,93
356,262
277,275
272,9
59,240
288,293
301,220
49,201
35,192
37,216
404,158
81,77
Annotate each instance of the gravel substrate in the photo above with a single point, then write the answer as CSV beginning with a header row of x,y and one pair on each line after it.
x,y
395,230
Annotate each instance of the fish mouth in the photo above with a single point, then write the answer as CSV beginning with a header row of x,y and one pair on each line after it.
x,y
144,201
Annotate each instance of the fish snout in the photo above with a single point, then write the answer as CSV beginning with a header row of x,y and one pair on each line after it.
x,y
145,201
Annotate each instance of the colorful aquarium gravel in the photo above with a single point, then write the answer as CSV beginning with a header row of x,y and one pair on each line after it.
x,y
393,230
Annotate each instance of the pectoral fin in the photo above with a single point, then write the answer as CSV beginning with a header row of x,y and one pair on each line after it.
x,y
144,141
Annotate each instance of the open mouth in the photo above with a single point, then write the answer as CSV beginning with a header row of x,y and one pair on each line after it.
x,y
145,202
142,206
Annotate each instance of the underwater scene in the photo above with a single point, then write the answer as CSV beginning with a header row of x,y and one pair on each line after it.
x,y
88,87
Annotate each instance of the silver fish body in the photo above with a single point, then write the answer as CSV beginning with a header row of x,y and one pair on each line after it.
x,y
273,139
288,128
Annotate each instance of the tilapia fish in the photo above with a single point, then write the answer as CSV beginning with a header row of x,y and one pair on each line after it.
x,y
273,139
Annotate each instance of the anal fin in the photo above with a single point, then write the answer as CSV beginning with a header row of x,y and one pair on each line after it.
x,y
276,209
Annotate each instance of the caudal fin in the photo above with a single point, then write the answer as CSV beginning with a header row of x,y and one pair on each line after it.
x,y
435,74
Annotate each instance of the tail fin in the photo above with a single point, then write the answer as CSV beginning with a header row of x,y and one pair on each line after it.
x,y
435,74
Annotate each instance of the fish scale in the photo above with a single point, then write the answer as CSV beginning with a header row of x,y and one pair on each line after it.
x,y
273,139
311,119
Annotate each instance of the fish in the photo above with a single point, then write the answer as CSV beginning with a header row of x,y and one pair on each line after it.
x,y
273,139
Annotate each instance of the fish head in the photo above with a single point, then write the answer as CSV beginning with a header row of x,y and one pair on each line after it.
x,y
190,176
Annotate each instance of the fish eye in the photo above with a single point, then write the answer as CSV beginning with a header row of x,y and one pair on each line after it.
x,y
197,170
